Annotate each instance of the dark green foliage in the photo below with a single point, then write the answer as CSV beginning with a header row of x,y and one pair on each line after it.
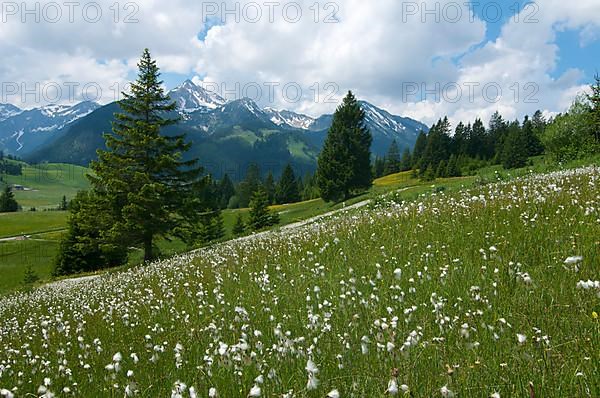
x,y
533,144
441,169
570,135
239,228
226,191
310,189
30,277
515,148
270,189
260,216
344,165
453,170
8,203
379,167
141,189
406,160
594,100
10,168
89,244
287,188
392,159
211,229
64,205
429,174
249,185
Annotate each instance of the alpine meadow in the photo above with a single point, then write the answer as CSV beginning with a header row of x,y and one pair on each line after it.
x,y
300,200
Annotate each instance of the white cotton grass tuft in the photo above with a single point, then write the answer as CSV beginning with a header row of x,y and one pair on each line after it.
x,y
446,392
255,391
521,338
392,387
573,260
333,394
212,392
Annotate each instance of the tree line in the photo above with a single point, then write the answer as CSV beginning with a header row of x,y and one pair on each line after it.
x,y
444,152
142,190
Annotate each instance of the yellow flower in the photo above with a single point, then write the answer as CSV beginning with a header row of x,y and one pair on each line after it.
x,y
594,315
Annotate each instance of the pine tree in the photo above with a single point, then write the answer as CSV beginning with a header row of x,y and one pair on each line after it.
x,y
379,167
30,277
260,216
8,203
226,191
344,164
532,142
441,169
270,188
514,154
287,188
419,149
149,189
239,228
453,170
249,185
406,160
88,245
64,205
392,159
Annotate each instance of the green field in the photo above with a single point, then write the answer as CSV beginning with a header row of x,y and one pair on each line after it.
x,y
463,292
47,183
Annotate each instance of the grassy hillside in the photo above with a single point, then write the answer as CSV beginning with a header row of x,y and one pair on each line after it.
x,y
47,183
465,293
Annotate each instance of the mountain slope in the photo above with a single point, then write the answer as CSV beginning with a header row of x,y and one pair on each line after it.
x,y
228,136
7,111
26,131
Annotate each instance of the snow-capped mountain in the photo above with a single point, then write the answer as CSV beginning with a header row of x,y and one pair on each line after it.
x,y
191,98
228,134
289,118
25,131
8,110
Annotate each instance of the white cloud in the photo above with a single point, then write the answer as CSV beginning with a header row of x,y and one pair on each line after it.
x,y
375,49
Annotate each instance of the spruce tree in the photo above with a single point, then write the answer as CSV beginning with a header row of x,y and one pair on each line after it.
x,y
392,159
226,191
239,228
64,205
514,154
344,165
406,160
88,245
249,185
270,188
287,188
378,167
419,149
8,203
151,191
260,216
30,277
453,170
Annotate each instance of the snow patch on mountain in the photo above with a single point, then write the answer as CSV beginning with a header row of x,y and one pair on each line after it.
x,y
191,98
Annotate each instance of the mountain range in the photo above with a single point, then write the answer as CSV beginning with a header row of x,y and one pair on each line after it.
x,y
226,135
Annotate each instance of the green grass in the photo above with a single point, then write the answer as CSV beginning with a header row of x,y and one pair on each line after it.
x,y
430,293
15,256
48,184
28,223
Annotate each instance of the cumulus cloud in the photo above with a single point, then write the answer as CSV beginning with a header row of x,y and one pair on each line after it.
x,y
395,54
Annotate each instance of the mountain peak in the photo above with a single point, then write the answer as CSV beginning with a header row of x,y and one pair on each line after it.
x,y
191,97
